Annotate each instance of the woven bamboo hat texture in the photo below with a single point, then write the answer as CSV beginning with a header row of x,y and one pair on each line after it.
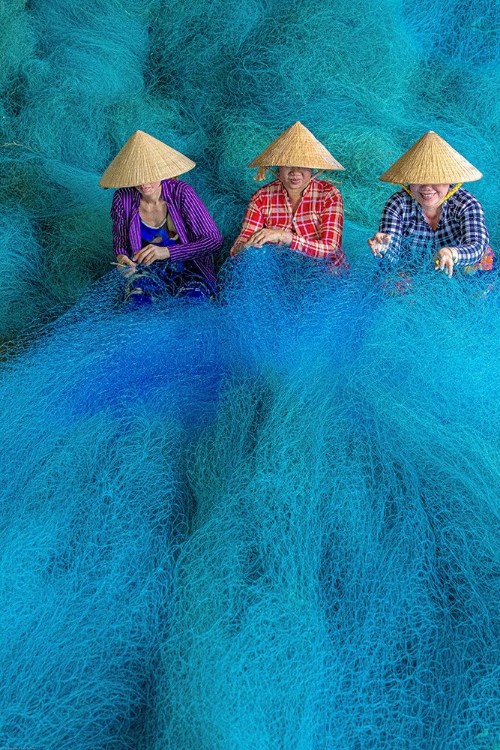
x,y
431,161
144,159
296,147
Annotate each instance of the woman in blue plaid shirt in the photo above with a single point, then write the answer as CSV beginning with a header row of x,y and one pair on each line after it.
x,y
433,211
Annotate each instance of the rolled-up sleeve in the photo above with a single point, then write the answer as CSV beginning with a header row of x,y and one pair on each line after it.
x,y
474,236
252,221
392,223
331,221
202,235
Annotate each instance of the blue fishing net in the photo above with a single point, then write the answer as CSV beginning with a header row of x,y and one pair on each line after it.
x,y
271,520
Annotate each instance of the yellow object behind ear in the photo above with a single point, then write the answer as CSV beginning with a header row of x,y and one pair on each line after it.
x,y
448,194
261,174
451,191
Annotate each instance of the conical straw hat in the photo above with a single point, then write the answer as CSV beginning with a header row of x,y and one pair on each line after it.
x,y
296,147
431,161
144,159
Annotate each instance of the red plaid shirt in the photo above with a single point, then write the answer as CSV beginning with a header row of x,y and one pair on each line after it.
x,y
316,226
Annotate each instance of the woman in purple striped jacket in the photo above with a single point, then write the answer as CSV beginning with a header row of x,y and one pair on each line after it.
x,y
163,236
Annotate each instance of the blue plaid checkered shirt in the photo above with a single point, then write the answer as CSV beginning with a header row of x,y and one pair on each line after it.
x,y
461,225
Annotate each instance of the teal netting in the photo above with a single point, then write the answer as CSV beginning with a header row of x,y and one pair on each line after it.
x,y
269,521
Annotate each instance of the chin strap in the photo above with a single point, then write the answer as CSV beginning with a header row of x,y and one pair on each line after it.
x,y
448,194
451,191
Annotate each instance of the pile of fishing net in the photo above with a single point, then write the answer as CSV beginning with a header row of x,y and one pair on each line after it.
x,y
270,521
266,521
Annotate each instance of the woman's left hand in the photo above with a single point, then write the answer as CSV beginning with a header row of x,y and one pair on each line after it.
x,y
150,253
263,236
445,259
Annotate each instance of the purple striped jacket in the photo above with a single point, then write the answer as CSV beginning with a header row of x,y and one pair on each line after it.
x,y
199,237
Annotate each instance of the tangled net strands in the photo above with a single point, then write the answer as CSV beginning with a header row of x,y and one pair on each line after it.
x,y
271,521
344,601
226,532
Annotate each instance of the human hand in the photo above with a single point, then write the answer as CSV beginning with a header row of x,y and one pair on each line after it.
x,y
150,253
123,260
125,265
379,243
237,248
268,234
445,259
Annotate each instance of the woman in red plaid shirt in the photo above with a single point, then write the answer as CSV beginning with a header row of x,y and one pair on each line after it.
x,y
297,209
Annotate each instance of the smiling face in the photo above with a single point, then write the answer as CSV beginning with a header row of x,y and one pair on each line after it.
x,y
295,179
429,196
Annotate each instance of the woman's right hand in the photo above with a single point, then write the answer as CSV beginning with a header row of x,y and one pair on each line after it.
x,y
379,244
124,260
128,265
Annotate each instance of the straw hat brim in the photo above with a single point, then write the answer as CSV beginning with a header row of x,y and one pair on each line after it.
x,y
144,159
431,160
296,147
